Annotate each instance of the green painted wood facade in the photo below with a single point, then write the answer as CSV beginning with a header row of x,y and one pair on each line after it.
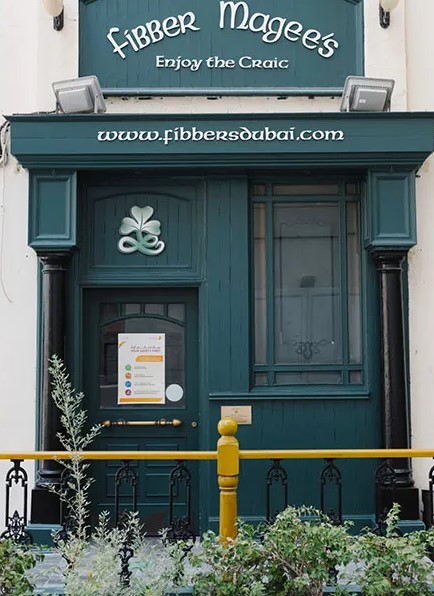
x,y
200,193
195,47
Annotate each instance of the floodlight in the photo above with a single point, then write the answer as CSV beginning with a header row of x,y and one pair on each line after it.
x,y
362,94
79,96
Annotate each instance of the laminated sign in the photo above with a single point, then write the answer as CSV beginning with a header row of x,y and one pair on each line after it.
x,y
141,368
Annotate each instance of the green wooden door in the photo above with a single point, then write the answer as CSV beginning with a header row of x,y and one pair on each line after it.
x,y
170,314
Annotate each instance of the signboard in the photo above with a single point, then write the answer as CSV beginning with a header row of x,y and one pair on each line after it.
x,y
241,414
141,368
221,46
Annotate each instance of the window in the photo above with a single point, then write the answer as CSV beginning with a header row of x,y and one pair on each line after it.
x,y
307,285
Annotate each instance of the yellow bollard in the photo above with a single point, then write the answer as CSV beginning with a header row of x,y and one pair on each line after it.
x,y
228,469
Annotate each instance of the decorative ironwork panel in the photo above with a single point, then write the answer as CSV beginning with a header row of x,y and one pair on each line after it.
x,y
331,476
180,527
126,553
128,477
385,478
431,496
275,475
16,523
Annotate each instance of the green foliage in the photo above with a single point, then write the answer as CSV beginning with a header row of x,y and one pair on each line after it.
x,y
74,439
293,556
394,564
301,548
231,569
93,559
15,562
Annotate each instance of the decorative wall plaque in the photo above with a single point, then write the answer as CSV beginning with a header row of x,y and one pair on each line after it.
x,y
146,233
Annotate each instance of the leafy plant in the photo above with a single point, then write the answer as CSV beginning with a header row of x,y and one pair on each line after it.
x,y
74,492
303,549
15,562
234,568
94,563
296,555
394,564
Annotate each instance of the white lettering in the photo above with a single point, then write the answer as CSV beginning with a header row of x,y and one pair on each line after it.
x,y
293,30
106,135
152,32
186,21
242,134
334,135
131,40
141,35
155,32
234,6
117,47
171,27
311,39
330,45
130,135
263,22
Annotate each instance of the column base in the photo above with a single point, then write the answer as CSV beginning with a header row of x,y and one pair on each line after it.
x,y
42,534
407,498
45,507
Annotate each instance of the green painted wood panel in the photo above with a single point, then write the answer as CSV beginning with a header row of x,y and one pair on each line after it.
x,y
132,141
52,210
228,284
392,210
153,47
307,425
177,205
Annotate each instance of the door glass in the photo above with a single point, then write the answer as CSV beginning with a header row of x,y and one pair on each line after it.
x,y
307,284
175,355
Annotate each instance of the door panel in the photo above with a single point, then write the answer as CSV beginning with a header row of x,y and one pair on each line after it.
x,y
171,313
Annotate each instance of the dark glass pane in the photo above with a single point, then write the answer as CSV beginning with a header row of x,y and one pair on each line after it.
x,y
307,304
305,189
356,377
260,281
259,190
354,296
109,311
309,378
177,311
154,309
131,309
175,355
352,189
261,379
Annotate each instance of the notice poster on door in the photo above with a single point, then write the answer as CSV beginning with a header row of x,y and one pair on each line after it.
x,y
141,368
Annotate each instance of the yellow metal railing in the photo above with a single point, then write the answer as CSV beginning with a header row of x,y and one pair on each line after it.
x,y
228,456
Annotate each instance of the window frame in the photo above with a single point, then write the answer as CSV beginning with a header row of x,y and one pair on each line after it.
x,y
302,391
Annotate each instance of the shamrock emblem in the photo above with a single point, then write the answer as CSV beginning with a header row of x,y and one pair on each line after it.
x,y
145,230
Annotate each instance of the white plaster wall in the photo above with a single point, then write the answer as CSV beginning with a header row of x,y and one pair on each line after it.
x,y
34,55
420,84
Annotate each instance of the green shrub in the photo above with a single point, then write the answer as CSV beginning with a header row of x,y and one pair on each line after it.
x,y
394,564
15,562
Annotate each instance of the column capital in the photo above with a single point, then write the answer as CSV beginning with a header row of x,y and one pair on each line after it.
x,y
54,260
389,260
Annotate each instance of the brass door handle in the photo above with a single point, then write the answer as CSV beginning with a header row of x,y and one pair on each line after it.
x,y
162,422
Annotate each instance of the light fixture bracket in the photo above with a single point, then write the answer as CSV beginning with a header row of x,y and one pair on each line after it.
x,y
59,21
384,17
